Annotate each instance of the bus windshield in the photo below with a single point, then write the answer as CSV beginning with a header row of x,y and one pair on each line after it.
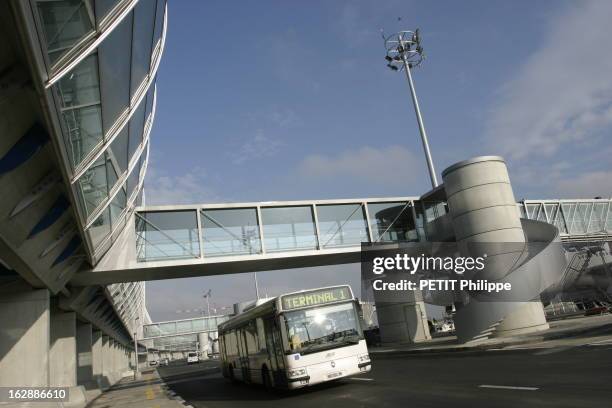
x,y
319,328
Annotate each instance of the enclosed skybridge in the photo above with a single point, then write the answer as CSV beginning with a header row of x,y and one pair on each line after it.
x,y
197,240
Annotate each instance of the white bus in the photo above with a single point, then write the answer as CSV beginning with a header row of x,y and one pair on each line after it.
x,y
295,340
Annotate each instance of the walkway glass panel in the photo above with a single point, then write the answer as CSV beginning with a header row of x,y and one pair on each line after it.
x,y
230,231
167,235
392,222
289,228
342,225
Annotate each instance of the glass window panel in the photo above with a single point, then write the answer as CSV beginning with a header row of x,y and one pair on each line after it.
x,y
184,326
117,206
198,324
144,23
288,228
342,225
159,21
434,209
392,222
233,231
132,180
150,100
609,218
582,217
551,211
93,187
167,235
522,211
532,211
560,221
64,22
103,7
118,152
136,128
114,61
100,228
541,214
79,95
597,220
167,328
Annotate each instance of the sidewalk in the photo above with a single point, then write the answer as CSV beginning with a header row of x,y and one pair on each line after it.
x,y
569,332
146,392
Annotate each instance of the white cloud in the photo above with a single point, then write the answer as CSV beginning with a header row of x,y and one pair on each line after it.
x,y
562,94
192,187
587,185
257,147
367,164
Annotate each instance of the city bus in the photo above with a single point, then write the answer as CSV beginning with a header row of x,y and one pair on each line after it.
x,y
295,340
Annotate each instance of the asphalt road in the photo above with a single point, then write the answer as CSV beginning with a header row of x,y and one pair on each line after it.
x,y
558,377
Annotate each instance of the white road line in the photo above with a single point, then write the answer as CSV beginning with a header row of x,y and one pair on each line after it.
x,y
361,379
601,342
508,387
553,350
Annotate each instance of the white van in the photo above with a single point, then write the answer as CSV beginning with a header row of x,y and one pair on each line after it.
x,y
192,357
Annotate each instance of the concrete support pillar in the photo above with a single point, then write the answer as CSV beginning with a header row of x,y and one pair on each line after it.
x,y
203,343
483,211
107,369
63,350
402,319
97,351
24,337
84,354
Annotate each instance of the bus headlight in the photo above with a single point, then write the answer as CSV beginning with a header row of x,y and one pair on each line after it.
x,y
364,358
296,372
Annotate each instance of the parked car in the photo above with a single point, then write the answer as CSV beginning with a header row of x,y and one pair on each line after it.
x,y
164,361
192,357
153,363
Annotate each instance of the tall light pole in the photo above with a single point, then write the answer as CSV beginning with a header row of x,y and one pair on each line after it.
x,y
136,348
256,285
404,52
207,297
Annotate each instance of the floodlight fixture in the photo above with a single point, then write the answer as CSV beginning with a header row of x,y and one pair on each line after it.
x,y
404,52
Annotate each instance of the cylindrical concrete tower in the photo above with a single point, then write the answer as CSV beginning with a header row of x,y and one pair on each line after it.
x,y
483,211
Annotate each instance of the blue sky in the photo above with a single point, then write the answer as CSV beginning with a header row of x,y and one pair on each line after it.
x,y
280,100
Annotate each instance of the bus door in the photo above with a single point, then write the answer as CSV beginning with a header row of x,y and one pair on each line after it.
x,y
244,355
276,354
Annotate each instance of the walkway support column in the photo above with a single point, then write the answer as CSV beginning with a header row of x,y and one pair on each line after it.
x,y
483,210
84,354
203,345
63,351
402,317
24,337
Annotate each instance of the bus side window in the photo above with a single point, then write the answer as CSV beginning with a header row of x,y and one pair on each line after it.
x,y
261,335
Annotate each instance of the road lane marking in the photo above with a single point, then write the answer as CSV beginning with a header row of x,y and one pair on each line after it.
x,y
601,342
508,387
361,379
553,350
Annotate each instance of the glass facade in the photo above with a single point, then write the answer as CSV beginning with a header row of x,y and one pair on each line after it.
x,y
65,23
105,101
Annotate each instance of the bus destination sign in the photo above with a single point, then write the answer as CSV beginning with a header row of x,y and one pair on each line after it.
x,y
315,297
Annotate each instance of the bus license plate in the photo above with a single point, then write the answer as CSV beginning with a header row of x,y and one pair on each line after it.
x,y
334,375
